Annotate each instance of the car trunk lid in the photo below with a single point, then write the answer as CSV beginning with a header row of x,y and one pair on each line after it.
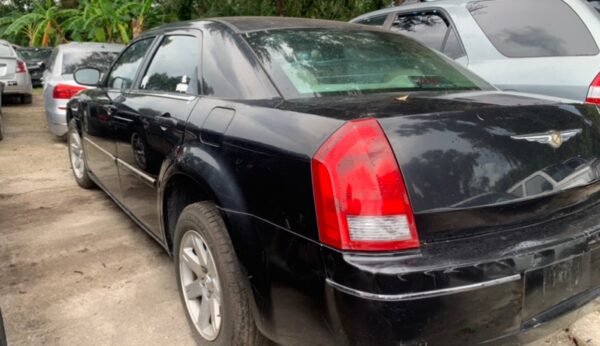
x,y
483,161
7,67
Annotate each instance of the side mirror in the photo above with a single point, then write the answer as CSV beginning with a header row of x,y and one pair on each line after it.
x,y
88,76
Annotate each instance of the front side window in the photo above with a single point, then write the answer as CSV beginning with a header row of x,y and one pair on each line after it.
x,y
174,67
530,28
317,62
74,59
124,70
432,30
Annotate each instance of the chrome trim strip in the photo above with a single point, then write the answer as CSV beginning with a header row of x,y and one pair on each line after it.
x,y
422,295
99,148
168,96
137,171
122,119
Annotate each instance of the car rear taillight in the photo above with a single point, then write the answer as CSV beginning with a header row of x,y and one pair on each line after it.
x,y
594,91
65,91
21,67
360,196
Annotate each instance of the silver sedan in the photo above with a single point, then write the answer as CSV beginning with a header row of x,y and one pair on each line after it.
x,y
14,73
59,85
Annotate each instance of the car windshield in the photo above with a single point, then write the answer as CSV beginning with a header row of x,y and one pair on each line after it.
x,y
72,60
35,54
6,51
318,62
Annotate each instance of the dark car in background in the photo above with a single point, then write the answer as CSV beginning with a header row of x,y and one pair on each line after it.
x,y
328,183
36,60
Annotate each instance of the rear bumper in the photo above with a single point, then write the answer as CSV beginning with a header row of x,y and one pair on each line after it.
x,y
490,312
19,85
466,293
57,121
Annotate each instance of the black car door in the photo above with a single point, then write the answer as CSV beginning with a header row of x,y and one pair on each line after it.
x,y
101,122
156,110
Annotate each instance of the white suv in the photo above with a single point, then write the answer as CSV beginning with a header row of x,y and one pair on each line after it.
x,y
548,47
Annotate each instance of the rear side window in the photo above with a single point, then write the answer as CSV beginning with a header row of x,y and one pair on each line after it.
x,y
375,21
530,28
174,67
431,29
74,59
5,50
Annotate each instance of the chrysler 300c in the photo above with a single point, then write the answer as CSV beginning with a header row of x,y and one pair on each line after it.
x,y
329,183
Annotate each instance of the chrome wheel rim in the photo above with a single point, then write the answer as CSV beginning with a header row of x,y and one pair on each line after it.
x,y
200,285
76,151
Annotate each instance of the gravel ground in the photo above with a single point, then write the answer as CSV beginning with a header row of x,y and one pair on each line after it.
x,y
75,270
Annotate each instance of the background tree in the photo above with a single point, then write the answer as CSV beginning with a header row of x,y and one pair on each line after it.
x,y
47,22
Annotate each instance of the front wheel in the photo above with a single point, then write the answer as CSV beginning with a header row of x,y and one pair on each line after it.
x,y
77,157
210,280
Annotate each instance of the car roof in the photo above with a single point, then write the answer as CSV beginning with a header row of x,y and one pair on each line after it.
x,y
245,24
410,6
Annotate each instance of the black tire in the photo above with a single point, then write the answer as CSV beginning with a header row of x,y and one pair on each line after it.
x,y
83,180
237,326
26,99
1,129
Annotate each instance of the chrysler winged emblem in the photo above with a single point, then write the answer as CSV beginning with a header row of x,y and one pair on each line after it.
x,y
553,138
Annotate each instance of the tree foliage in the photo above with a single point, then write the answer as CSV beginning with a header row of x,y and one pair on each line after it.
x,y
49,22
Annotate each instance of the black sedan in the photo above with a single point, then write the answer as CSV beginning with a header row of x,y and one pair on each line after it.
x,y
328,183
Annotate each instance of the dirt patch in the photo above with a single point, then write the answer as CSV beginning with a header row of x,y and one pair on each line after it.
x,y
73,268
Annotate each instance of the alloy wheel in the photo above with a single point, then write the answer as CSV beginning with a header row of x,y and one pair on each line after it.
x,y
200,285
76,151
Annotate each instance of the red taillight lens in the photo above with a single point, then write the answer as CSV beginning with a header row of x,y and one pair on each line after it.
x,y
360,196
594,92
65,91
21,67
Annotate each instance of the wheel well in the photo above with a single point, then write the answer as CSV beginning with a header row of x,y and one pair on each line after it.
x,y
180,192
69,115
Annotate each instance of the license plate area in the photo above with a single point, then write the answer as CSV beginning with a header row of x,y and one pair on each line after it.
x,y
550,285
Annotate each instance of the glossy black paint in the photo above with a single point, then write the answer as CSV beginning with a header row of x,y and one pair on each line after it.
x,y
251,154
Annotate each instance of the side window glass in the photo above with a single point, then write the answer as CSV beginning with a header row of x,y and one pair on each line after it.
x,y
174,67
124,70
432,30
537,185
429,29
375,21
523,28
51,60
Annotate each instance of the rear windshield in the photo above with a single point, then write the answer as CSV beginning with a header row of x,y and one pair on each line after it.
x,y
35,54
72,60
6,50
528,28
318,62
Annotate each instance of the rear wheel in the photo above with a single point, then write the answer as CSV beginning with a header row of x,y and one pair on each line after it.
x,y
77,157
210,280
1,129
